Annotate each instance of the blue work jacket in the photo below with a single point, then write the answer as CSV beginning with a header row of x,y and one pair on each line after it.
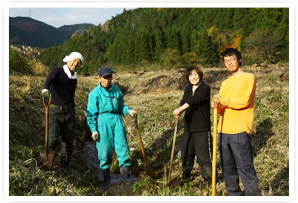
x,y
101,101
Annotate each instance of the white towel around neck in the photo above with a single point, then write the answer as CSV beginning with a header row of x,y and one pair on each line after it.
x,y
68,73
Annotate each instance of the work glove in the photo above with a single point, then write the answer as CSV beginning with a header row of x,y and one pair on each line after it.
x,y
95,136
132,113
45,93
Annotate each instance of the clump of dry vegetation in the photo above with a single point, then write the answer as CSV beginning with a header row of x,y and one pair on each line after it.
x,y
24,63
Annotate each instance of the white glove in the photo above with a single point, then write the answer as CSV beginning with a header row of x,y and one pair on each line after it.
x,y
44,92
132,113
95,136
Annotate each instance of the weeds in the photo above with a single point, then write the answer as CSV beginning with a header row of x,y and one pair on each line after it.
x,y
154,95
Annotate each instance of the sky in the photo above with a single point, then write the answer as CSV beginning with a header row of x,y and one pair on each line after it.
x,y
58,17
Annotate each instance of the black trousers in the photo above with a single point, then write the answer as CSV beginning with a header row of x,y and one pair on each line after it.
x,y
62,123
196,144
236,158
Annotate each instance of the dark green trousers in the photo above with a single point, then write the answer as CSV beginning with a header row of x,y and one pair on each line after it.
x,y
62,123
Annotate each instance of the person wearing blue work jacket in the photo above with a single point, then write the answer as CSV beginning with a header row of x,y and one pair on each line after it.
x,y
104,110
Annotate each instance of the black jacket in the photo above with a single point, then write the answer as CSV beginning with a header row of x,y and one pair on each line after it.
x,y
197,116
61,87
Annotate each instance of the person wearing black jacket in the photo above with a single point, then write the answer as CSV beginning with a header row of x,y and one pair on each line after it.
x,y
196,137
61,83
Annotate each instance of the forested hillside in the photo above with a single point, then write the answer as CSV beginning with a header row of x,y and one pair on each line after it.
x,y
175,37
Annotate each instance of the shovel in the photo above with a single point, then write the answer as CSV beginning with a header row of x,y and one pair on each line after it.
x,y
147,166
46,157
214,151
175,182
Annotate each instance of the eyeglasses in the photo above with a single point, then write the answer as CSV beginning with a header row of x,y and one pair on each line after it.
x,y
230,60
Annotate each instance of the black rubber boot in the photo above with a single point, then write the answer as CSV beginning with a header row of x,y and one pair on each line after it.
x,y
125,174
106,175
186,176
64,164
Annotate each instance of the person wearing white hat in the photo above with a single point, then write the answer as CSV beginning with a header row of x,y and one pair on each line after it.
x,y
61,84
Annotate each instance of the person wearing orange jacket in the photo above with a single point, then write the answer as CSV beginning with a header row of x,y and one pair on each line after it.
x,y
235,104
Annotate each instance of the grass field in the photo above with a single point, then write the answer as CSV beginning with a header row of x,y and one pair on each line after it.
x,y
154,95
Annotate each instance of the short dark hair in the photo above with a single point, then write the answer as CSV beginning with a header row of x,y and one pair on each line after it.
x,y
189,70
232,51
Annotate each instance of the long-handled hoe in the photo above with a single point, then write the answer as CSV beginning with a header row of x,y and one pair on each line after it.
x,y
175,181
147,166
214,150
46,157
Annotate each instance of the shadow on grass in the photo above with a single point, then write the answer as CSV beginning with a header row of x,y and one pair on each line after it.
x,y
159,152
280,184
262,135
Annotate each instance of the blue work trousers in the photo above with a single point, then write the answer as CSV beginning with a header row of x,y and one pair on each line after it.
x,y
112,136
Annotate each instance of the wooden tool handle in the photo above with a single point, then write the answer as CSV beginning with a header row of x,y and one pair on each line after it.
x,y
47,122
173,149
139,137
214,150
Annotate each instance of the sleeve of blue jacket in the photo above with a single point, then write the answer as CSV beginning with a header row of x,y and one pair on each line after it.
x,y
92,111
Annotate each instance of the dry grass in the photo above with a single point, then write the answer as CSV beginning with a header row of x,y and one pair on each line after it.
x,y
154,95
156,101
38,68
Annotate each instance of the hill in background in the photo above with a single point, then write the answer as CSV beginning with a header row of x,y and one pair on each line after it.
x,y
30,32
74,30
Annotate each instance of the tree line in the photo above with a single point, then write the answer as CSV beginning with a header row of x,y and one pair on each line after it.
x,y
175,37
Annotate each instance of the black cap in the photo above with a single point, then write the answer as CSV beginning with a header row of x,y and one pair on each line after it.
x,y
105,71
